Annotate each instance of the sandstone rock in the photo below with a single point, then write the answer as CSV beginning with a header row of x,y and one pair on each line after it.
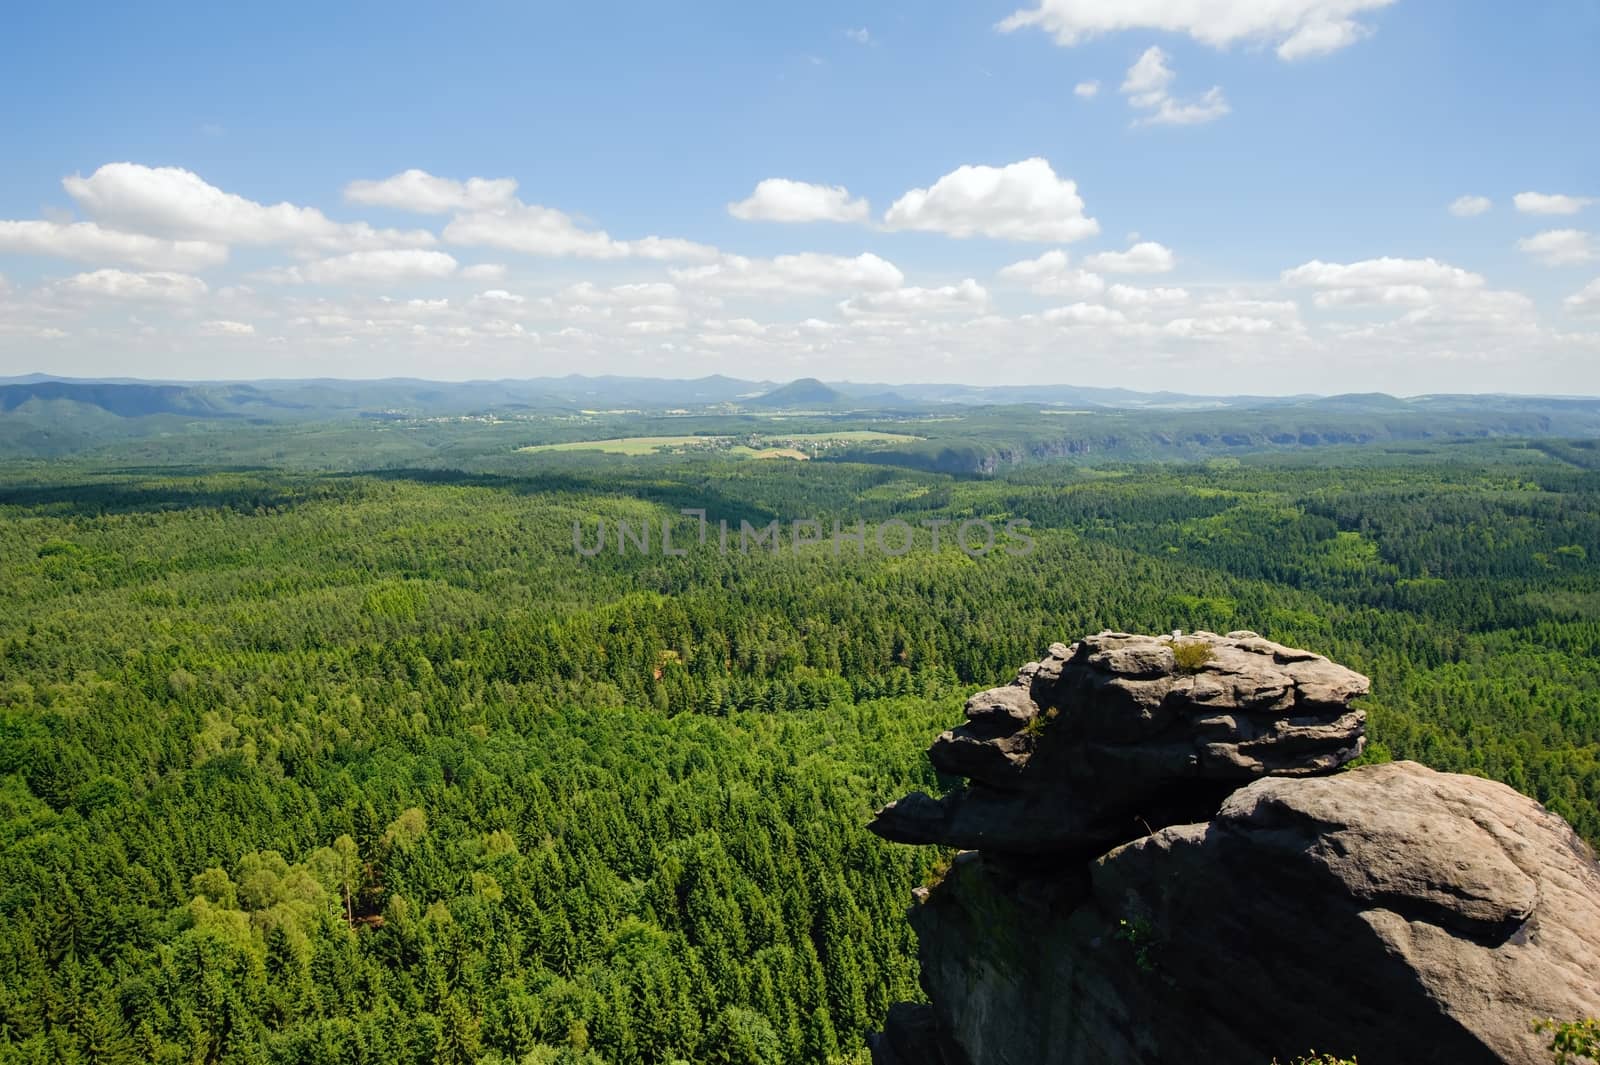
x,y
1165,864
1108,737
1389,913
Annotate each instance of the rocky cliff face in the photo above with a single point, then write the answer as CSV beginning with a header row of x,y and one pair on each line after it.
x,y
1162,861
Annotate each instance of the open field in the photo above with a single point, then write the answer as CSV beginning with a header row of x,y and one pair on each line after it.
x,y
630,445
782,445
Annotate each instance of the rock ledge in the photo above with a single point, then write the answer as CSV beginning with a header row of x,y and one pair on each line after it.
x,y
1163,861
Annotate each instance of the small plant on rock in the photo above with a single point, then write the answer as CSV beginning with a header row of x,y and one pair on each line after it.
x,y
1572,1042
1037,723
1140,934
1191,654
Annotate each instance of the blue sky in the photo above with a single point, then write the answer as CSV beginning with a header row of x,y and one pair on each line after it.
x,y
1256,195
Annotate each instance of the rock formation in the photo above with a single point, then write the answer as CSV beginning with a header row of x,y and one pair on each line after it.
x,y
1163,862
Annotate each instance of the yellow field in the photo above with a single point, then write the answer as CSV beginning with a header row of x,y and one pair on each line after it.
x,y
629,445
782,445
846,435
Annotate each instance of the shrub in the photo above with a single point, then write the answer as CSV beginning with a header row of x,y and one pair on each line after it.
x,y
1572,1041
1191,654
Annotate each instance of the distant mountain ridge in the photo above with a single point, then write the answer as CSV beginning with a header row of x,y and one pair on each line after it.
x,y
337,397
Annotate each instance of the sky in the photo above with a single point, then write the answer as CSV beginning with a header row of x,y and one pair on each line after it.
x,y
1265,196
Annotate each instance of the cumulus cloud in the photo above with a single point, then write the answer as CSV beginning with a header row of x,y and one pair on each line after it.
x,y
1148,88
1470,206
421,192
1051,275
1134,297
670,248
807,272
151,287
967,296
1223,325
1375,295
783,200
223,327
1320,38
1586,300
1022,201
860,35
173,202
91,243
1086,90
1145,257
1080,314
1381,273
1549,203
359,267
484,272
1559,247
1299,28
1027,271
545,231
533,230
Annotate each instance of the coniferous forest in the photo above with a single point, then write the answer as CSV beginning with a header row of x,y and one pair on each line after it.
x,y
311,763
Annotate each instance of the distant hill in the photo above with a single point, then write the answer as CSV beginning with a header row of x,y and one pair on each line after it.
x,y
806,394
122,400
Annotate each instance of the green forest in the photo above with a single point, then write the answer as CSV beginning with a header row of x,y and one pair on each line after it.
x,y
350,765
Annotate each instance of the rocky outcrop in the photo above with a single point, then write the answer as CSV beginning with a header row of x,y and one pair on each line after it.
x,y
1387,912
1117,734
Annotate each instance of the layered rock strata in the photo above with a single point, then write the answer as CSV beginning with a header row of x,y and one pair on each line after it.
x,y
1163,862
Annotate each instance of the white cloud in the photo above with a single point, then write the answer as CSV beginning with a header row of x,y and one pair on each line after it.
x,y
806,272
222,327
1049,275
1470,206
1375,295
967,296
670,248
1299,28
1381,273
1049,264
1148,87
382,267
860,35
1084,314
1086,90
1022,201
1226,325
1559,247
1550,203
1586,300
533,230
1145,257
586,294
1135,297
1320,38
88,242
484,272
420,191
545,231
153,287
174,202
783,200
498,295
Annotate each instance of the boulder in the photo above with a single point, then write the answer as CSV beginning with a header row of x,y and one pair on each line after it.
x,y
1120,733
1389,913
1164,859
